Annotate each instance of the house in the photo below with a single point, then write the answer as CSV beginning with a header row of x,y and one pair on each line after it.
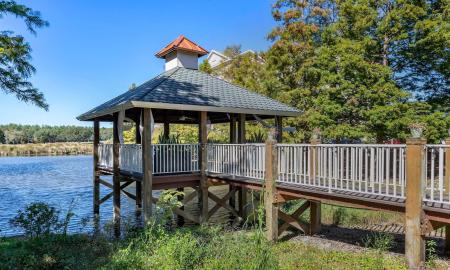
x,y
216,59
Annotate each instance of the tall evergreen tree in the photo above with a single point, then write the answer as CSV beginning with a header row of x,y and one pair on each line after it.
x,y
339,62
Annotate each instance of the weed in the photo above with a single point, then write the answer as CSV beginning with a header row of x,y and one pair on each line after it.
x,y
431,246
379,241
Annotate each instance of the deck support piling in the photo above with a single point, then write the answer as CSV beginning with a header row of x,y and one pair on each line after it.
x,y
315,222
233,140
203,137
180,198
96,175
270,192
147,164
414,238
138,183
116,176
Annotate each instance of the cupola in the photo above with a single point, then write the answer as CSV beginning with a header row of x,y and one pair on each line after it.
x,y
181,52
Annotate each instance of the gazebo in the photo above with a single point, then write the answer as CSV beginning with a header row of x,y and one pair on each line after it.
x,y
183,95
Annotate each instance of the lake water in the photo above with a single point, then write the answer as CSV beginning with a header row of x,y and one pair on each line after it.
x,y
60,181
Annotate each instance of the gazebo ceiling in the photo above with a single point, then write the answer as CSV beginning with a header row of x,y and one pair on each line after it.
x,y
184,92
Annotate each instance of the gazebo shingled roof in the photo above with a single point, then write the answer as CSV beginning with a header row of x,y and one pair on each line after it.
x,y
182,89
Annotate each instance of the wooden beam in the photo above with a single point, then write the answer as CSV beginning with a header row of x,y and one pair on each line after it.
x,y
221,203
414,240
147,164
203,137
95,155
189,197
106,184
294,222
270,190
297,213
116,176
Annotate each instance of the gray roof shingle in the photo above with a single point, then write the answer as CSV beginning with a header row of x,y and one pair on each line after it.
x,y
181,86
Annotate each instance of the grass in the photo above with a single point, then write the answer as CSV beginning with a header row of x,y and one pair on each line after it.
x,y
184,248
160,246
34,149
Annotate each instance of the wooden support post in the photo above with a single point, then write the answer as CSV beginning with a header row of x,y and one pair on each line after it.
x,y
166,129
315,219
203,166
270,190
447,168
138,183
241,128
137,135
447,191
180,198
233,139
147,165
279,128
96,172
116,176
314,161
242,191
414,239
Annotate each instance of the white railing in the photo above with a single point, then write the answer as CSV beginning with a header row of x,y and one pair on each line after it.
x,y
369,169
377,169
294,161
105,155
242,160
130,157
437,179
167,158
175,158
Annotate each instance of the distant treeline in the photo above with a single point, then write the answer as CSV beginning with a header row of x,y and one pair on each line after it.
x,y
22,134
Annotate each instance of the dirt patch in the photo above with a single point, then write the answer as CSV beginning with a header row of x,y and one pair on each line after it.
x,y
354,240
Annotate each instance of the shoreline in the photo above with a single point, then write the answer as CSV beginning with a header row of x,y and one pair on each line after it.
x,y
46,149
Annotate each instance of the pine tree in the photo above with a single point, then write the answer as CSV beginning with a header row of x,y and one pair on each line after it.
x,y
15,55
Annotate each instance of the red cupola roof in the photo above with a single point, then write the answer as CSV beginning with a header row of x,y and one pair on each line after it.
x,y
184,44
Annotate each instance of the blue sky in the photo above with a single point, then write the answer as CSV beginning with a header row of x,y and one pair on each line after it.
x,y
93,50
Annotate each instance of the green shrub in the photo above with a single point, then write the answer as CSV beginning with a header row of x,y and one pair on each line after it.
x,y
37,219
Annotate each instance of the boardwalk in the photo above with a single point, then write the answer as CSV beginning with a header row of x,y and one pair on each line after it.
x,y
372,173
